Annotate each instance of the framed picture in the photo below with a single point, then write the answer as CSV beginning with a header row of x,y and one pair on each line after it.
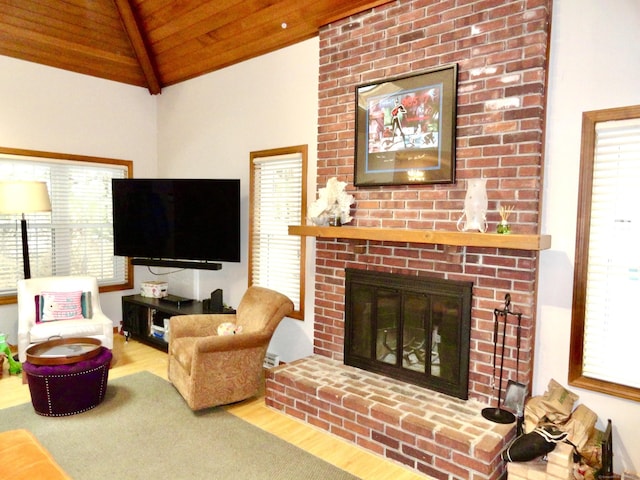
x,y
405,129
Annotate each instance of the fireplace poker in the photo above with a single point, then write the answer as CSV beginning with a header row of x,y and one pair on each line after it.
x,y
495,348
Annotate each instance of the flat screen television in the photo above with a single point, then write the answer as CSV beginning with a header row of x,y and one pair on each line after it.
x,y
177,219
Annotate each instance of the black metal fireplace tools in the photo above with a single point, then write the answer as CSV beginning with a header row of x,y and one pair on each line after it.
x,y
516,392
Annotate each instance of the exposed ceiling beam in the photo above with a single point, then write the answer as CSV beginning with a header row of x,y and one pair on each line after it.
x,y
139,45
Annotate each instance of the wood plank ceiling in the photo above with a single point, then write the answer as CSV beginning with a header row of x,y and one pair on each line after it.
x,y
156,43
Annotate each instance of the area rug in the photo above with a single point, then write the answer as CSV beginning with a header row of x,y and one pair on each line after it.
x,y
144,429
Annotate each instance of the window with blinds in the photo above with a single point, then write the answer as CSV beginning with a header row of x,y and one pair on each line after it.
x,y
605,331
76,237
276,259
611,331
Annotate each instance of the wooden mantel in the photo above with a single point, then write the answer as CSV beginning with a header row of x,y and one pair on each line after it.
x,y
439,237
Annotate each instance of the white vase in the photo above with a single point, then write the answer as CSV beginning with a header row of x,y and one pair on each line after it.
x,y
476,204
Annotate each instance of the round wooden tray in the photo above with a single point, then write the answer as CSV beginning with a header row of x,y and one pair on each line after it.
x,y
62,351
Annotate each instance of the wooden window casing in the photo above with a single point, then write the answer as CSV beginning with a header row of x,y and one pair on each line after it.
x,y
580,329
60,248
277,199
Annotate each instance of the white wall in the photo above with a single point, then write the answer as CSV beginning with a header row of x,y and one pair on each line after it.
x,y
208,126
47,109
595,63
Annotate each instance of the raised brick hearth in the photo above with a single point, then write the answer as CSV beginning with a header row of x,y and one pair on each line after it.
x,y
501,50
433,433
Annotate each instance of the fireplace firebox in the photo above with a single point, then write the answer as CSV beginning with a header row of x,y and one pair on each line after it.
x,y
412,328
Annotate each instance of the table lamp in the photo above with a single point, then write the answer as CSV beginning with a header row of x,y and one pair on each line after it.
x,y
24,197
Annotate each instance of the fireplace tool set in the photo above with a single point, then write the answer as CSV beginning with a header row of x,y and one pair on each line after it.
x,y
516,392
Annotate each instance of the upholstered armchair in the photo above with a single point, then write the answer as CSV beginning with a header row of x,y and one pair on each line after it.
x,y
60,307
210,369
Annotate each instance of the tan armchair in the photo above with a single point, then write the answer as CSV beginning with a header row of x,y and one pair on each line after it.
x,y
210,370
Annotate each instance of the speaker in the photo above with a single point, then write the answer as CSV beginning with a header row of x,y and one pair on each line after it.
x,y
215,304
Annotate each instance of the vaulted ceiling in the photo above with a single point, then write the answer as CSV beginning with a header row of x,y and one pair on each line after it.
x,y
156,43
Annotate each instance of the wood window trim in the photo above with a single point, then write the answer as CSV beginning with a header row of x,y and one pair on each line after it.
x,y
303,151
128,164
576,352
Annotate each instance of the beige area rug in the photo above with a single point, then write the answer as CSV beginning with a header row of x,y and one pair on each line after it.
x,y
144,429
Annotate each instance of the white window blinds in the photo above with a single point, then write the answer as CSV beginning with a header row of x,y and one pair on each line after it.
x,y
611,329
76,237
277,203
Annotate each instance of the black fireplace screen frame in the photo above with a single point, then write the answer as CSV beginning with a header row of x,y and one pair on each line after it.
x,y
391,319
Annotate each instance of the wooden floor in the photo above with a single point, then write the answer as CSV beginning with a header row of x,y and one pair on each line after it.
x,y
134,357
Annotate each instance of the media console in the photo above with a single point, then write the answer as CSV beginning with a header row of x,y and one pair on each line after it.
x,y
140,314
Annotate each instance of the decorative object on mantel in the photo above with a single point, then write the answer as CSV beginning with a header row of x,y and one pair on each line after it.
x,y
505,212
476,204
332,206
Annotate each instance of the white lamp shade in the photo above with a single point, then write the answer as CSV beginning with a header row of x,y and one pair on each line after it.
x,y
24,197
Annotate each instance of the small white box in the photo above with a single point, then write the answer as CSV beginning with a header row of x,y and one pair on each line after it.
x,y
154,289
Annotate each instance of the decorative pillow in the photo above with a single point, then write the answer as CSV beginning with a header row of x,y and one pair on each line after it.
x,y
228,328
85,303
60,306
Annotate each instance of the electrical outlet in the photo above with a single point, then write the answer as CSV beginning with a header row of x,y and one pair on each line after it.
x,y
271,360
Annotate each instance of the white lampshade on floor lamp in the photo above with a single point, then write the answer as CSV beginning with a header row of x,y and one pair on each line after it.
x,y
20,197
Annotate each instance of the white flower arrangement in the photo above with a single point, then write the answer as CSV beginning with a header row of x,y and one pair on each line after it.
x,y
332,206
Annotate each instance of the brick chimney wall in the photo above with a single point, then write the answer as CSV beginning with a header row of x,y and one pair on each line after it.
x,y
500,48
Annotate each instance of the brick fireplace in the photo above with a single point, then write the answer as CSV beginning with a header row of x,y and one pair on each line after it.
x,y
500,48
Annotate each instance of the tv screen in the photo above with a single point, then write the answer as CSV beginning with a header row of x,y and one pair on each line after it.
x,y
181,219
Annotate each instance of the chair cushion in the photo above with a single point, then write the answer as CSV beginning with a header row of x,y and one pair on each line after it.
x,y
182,350
66,329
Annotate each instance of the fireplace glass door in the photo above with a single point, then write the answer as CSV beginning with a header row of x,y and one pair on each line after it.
x,y
415,329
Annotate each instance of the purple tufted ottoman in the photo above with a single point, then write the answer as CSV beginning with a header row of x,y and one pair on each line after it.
x,y
61,390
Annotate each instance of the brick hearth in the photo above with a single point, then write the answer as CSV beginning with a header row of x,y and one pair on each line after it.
x,y
438,435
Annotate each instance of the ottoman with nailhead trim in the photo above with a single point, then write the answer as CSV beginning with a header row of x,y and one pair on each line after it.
x,y
61,390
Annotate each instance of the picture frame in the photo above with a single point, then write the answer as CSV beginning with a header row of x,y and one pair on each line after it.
x,y
405,129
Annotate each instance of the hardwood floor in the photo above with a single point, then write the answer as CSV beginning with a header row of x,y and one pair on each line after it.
x,y
134,357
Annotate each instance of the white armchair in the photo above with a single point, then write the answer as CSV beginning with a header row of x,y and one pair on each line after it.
x,y
32,330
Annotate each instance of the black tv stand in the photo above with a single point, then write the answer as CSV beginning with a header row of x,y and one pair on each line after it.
x,y
159,262
140,314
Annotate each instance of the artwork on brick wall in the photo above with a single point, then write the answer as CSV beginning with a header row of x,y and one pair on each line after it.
x,y
405,129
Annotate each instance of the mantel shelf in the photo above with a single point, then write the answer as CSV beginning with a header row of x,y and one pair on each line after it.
x,y
441,237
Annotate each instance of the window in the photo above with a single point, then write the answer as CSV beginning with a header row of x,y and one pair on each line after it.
x,y
277,200
76,237
604,328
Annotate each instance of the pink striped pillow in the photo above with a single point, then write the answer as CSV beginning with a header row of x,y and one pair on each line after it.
x,y
61,305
